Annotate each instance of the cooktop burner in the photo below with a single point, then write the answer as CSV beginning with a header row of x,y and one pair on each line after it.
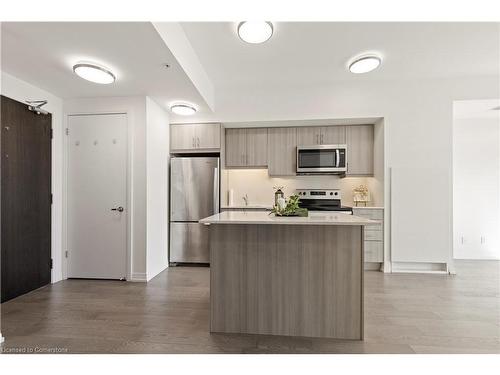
x,y
321,200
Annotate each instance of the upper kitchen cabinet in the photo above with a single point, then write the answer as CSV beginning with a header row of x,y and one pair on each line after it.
x,y
359,139
246,147
321,135
308,135
236,144
282,151
333,135
186,138
256,147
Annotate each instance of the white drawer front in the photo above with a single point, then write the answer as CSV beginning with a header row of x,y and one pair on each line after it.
x,y
374,251
375,227
375,214
374,235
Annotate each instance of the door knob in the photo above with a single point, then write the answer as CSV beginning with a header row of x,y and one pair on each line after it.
x,y
119,209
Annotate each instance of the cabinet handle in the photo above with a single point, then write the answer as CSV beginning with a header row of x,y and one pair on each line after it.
x,y
192,142
198,142
317,138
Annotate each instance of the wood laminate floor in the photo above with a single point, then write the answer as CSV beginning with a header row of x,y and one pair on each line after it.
x,y
404,313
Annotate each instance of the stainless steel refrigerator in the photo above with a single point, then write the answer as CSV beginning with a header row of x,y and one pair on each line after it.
x,y
194,195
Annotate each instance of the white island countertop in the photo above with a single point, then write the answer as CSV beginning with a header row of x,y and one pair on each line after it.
x,y
259,217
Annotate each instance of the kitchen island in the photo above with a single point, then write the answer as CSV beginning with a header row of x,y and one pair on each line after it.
x,y
292,276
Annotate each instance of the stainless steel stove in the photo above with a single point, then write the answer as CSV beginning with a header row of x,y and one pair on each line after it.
x,y
322,200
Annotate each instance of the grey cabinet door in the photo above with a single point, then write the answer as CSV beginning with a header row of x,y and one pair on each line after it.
x,y
374,251
256,147
207,136
359,139
182,137
236,145
282,151
308,135
333,135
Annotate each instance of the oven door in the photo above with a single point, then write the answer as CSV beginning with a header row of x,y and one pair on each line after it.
x,y
322,159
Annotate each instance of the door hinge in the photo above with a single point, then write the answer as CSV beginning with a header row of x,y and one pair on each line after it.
x,y
66,254
67,131
51,198
51,133
51,263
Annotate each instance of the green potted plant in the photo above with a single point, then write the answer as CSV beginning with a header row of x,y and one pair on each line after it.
x,y
289,207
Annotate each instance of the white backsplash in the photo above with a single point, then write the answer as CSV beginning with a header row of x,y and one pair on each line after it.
x,y
257,184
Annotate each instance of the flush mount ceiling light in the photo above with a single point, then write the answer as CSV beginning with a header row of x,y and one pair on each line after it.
x,y
255,32
183,109
94,73
364,64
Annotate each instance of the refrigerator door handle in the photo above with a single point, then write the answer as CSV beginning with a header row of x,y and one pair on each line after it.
x,y
216,190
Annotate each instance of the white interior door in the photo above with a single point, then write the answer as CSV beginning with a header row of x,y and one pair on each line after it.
x,y
97,190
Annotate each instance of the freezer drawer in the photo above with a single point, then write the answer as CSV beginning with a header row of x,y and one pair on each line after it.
x,y
189,243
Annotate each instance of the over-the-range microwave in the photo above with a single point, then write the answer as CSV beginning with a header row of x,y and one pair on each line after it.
x,y
322,159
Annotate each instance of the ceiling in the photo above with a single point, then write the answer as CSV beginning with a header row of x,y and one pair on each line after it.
x,y
309,57
304,54
43,54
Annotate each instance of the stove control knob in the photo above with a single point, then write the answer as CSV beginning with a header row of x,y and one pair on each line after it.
x,y
332,193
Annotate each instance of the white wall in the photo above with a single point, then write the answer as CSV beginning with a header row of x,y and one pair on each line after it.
x,y
157,156
417,116
376,185
135,107
19,90
476,192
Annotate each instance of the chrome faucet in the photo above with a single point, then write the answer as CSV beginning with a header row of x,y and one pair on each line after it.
x,y
245,198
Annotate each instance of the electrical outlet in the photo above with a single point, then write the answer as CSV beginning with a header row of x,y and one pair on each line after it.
x,y
462,240
483,240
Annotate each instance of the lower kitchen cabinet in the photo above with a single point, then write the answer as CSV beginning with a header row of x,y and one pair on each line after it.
x,y
373,234
374,251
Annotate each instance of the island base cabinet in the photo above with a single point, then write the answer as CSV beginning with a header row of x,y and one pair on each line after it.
x,y
292,280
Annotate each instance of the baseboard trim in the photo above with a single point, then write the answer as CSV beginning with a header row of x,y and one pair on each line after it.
x,y
372,266
419,267
138,277
156,273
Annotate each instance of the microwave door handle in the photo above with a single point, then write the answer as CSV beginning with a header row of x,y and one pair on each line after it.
x,y
337,157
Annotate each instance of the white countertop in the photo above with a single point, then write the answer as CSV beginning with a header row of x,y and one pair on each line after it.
x,y
250,206
265,207
259,217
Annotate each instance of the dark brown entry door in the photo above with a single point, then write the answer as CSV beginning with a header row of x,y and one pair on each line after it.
x,y
25,199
